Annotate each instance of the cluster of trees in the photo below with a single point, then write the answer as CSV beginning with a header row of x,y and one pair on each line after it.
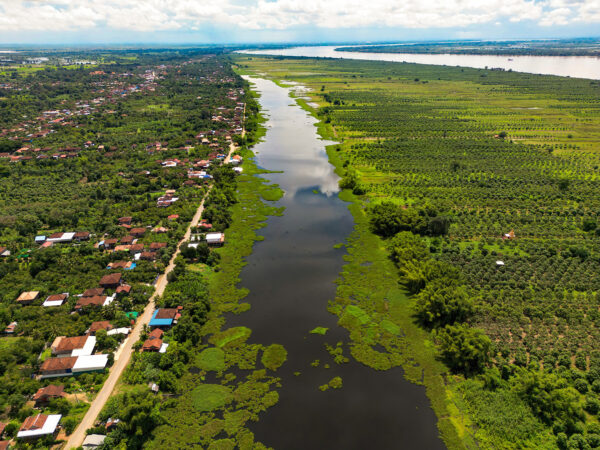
x,y
221,198
442,301
388,219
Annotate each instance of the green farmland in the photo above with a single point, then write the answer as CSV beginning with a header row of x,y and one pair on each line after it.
x,y
496,177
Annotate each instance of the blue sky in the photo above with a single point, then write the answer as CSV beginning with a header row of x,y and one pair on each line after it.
x,y
236,21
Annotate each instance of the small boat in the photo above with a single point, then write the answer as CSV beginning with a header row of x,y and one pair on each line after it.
x,y
510,59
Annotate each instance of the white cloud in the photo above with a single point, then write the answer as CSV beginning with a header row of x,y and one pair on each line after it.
x,y
153,15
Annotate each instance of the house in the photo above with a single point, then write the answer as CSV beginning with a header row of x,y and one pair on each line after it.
x,y
55,300
148,256
115,331
154,342
127,240
73,346
509,235
72,365
98,301
45,394
39,425
40,239
137,232
123,289
160,230
164,317
152,345
27,298
173,217
166,200
90,363
112,423
157,333
127,265
96,326
93,441
136,248
93,292
108,244
82,236
205,225
4,445
61,237
10,329
4,252
111,281
216,239
57,367
154,246
125,220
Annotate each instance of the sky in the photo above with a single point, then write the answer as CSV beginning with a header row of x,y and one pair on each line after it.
x,y
48,22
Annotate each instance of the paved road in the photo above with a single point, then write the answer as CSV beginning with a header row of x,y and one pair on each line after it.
x,y
77,437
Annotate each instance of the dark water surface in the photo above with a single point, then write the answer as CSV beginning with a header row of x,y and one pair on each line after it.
x,y
291,277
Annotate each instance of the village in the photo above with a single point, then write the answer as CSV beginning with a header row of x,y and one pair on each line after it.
x,y
139,250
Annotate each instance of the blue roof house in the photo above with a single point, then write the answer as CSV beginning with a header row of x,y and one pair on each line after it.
x,y
163,317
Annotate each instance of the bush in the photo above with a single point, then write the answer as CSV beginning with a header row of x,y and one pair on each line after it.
x,y
69,424
464,349
592,405
440,304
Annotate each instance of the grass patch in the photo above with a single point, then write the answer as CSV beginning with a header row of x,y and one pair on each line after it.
x,y
208,397
235,335
272,195
319,330
274,356
212,359
334,383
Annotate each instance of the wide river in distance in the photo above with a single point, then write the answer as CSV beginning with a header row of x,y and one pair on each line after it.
x,y
564,66
290,276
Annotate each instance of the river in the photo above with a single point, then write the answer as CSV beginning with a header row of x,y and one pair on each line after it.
x,y
291,277
565,66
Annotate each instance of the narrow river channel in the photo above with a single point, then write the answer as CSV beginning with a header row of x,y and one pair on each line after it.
x,y
291,277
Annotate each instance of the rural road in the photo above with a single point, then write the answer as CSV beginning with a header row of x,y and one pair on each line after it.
x,y
77,437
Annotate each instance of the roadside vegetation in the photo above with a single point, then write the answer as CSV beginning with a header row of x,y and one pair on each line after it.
x,y
473,261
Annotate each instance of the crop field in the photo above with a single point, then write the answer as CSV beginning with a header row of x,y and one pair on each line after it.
x,y
512,161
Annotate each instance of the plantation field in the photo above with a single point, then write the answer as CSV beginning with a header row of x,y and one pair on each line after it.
x,y
432,140
512,161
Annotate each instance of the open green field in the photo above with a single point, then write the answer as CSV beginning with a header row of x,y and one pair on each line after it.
x,y
494,152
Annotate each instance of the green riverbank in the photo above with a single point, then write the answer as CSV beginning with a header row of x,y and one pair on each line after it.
x,y
228,381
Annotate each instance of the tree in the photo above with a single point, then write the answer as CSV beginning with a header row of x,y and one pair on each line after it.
x,y
440,304
551,398
385,219
406,246
438,226
464,349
